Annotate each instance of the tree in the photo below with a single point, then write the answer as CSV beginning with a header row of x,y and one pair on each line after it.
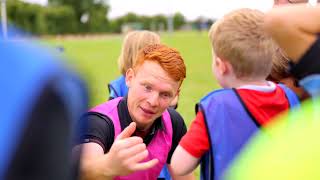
x,y
26,16
96,10
178,20
56,18
160,21
147,22
130,18
98,21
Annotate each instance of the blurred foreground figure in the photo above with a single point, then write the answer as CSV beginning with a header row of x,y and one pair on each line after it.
x,y
293,152
40,100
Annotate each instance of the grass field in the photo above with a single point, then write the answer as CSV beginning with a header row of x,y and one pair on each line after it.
x,y
95,59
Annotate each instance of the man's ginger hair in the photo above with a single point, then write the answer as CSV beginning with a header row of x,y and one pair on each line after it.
x,y
168,58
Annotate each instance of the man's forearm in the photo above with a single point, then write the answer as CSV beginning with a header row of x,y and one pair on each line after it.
x,y
95,169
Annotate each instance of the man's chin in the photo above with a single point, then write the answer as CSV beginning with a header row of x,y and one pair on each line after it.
x,y
145,120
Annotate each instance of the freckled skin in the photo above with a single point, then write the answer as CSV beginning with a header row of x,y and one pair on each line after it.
x,y
151,90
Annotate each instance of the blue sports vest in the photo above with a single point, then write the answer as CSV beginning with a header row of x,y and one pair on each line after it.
x,y
118,88
229,127
25,70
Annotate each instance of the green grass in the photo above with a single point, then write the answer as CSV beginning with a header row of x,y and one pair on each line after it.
x,y
96,61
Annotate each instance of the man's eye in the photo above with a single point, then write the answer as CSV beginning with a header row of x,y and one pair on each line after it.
x,y
148,88
166,95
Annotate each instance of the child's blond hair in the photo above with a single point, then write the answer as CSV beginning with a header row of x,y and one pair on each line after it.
x,y
240,39
132,43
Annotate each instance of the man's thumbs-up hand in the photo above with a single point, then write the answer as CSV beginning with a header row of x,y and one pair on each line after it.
x,y
127,152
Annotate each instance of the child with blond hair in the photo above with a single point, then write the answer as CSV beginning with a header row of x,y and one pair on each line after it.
x,y
227,118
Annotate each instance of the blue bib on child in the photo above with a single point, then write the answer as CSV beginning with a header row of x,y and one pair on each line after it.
x,y
118,88
229,126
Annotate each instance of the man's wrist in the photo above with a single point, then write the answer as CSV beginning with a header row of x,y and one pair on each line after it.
x,y
97,169
106,167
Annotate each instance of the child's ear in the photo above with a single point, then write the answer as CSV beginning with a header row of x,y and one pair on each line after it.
x,y
129,77
221,66
224,66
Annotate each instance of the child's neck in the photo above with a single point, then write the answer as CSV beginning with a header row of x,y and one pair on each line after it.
x,y
236,83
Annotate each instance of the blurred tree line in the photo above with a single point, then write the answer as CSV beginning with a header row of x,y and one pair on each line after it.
x,y
81,16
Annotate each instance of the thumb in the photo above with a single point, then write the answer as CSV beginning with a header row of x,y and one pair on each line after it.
x,y
127,132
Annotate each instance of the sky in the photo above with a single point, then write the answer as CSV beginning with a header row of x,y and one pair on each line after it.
x,y
191,9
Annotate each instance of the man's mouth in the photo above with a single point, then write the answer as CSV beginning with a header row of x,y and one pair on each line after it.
x,y
147,111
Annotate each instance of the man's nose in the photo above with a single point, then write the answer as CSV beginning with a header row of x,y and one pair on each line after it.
x,y
153,99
